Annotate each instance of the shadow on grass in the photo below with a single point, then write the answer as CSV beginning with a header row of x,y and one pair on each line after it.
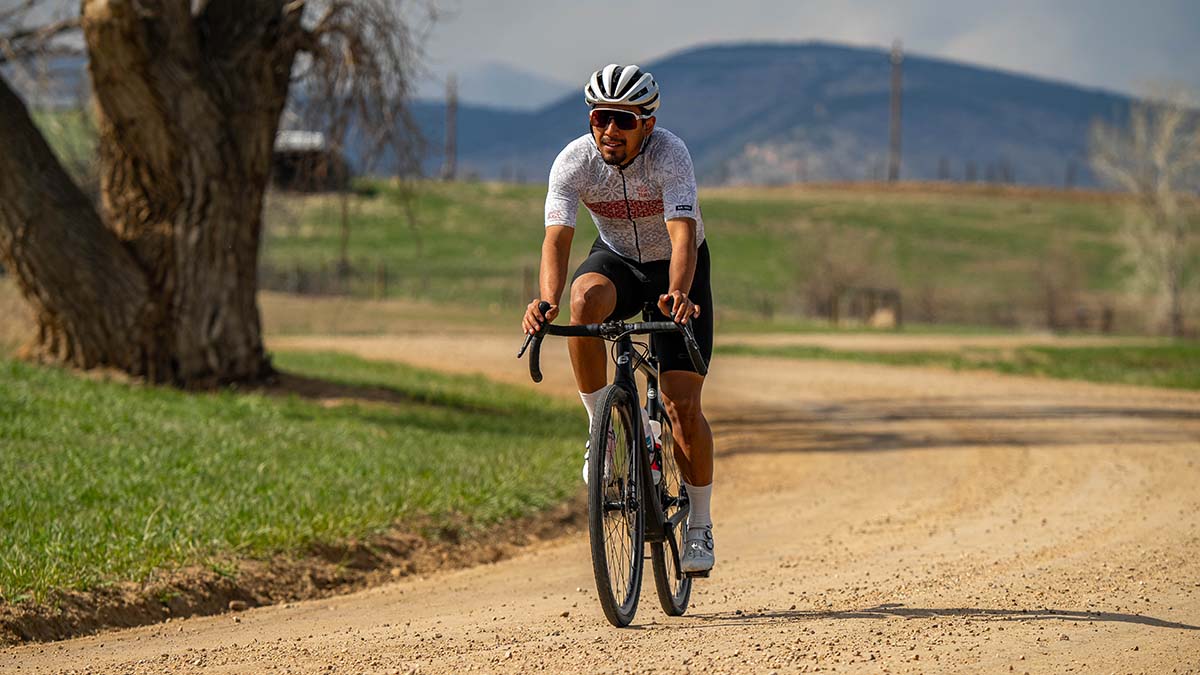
x,y
873,425
887,610
331,392
395,407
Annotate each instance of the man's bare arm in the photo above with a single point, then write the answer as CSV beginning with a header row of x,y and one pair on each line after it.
x,y
556,254
676,303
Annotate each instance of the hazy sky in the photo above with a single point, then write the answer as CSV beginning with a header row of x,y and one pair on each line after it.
x,y
1114,44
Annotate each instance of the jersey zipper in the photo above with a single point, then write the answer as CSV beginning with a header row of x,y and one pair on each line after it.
x,y
629,214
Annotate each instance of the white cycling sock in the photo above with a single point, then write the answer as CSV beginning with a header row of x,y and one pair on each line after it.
x,y
590,401
700,498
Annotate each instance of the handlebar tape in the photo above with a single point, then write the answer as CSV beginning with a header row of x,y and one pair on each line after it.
x,y
535,355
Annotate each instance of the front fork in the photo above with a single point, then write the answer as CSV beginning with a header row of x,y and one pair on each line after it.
x,y
657,528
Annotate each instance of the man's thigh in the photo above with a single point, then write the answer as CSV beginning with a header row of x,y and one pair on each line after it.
x,y
611,266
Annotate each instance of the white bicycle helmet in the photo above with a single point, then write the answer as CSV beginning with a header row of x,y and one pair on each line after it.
x,y
625,85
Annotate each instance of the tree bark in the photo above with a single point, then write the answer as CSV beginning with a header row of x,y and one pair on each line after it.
x,y
162,282
88,295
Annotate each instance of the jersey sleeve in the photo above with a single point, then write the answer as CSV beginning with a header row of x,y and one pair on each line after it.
x,y
678,181
562,197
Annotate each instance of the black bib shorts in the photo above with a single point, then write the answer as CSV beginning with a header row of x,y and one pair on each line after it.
x,y
641,283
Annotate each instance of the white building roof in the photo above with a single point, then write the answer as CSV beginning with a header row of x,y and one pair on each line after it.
x,y
299,141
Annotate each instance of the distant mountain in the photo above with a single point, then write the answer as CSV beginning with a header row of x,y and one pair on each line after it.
x,y
771,113
767,113
497,85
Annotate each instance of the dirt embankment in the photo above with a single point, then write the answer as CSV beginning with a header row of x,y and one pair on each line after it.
x,y
869,519
238,585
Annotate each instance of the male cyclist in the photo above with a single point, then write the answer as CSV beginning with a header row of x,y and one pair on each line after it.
x,y
638,183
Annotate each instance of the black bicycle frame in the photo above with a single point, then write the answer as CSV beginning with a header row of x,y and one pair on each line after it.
x,y
628,360
657,528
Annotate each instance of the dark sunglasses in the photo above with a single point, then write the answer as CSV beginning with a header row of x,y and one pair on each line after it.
x,y
626,121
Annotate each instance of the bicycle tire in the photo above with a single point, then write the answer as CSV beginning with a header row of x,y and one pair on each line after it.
x,y
674,589
615,526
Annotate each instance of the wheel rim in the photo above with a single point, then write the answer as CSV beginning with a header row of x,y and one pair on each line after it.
x,y
672,484
621,517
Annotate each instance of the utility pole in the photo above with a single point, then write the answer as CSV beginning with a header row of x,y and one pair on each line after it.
x,y
449,162
894,146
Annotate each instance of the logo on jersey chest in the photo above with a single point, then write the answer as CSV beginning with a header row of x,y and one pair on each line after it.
x,y
638,208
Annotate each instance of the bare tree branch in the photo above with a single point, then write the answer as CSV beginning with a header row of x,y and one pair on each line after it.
x,y
1156,158
32,27
22,39
360,65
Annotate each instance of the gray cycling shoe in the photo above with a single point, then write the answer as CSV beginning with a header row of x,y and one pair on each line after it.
x,y
698,552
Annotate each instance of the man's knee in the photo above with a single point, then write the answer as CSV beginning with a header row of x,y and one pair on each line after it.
x,y
593,298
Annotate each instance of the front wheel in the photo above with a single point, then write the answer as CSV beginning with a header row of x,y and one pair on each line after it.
x,y
674,589
615,506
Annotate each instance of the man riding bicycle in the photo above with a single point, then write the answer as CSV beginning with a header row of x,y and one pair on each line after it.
x,y
640,188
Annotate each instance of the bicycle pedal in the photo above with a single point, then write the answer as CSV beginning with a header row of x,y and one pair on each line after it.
x,y
698,575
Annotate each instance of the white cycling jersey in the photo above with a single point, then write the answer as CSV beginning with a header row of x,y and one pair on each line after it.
x,y
630,206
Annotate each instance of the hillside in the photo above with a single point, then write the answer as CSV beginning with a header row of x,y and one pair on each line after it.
x,y
997,256
775,114
780,113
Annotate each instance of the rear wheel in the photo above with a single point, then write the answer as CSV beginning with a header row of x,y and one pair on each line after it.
x,y
674,589
615,507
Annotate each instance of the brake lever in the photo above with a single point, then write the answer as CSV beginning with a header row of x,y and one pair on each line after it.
x,y
689,341
528,340
543,307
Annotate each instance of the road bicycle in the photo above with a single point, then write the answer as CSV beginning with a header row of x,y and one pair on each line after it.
x,y
627,509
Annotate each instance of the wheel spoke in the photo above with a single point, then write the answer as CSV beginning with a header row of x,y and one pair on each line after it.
x,y
621,523
674,589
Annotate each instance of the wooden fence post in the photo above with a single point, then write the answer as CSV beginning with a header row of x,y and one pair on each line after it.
x,y
381,280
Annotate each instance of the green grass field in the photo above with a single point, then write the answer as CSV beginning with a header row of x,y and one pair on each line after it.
x,y
1175,365
102,482
971,256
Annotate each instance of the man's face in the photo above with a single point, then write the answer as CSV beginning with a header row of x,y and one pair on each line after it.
x,y
617,146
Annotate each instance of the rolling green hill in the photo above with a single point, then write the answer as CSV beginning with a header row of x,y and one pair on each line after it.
x,y
957,255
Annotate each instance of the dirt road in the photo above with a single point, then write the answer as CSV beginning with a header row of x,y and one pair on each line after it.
x,y
869,519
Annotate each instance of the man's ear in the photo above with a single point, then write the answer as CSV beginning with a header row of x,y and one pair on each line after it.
x,y
650,124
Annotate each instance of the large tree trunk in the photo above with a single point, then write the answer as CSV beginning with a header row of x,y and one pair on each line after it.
x,y
187,107
89,297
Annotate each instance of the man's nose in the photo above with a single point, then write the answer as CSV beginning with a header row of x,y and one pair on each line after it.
x,y
611,128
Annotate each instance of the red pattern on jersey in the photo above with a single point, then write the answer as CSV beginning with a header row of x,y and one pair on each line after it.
x,y
640,208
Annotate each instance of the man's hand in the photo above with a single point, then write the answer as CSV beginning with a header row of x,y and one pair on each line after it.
x,y
677,306
533,319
